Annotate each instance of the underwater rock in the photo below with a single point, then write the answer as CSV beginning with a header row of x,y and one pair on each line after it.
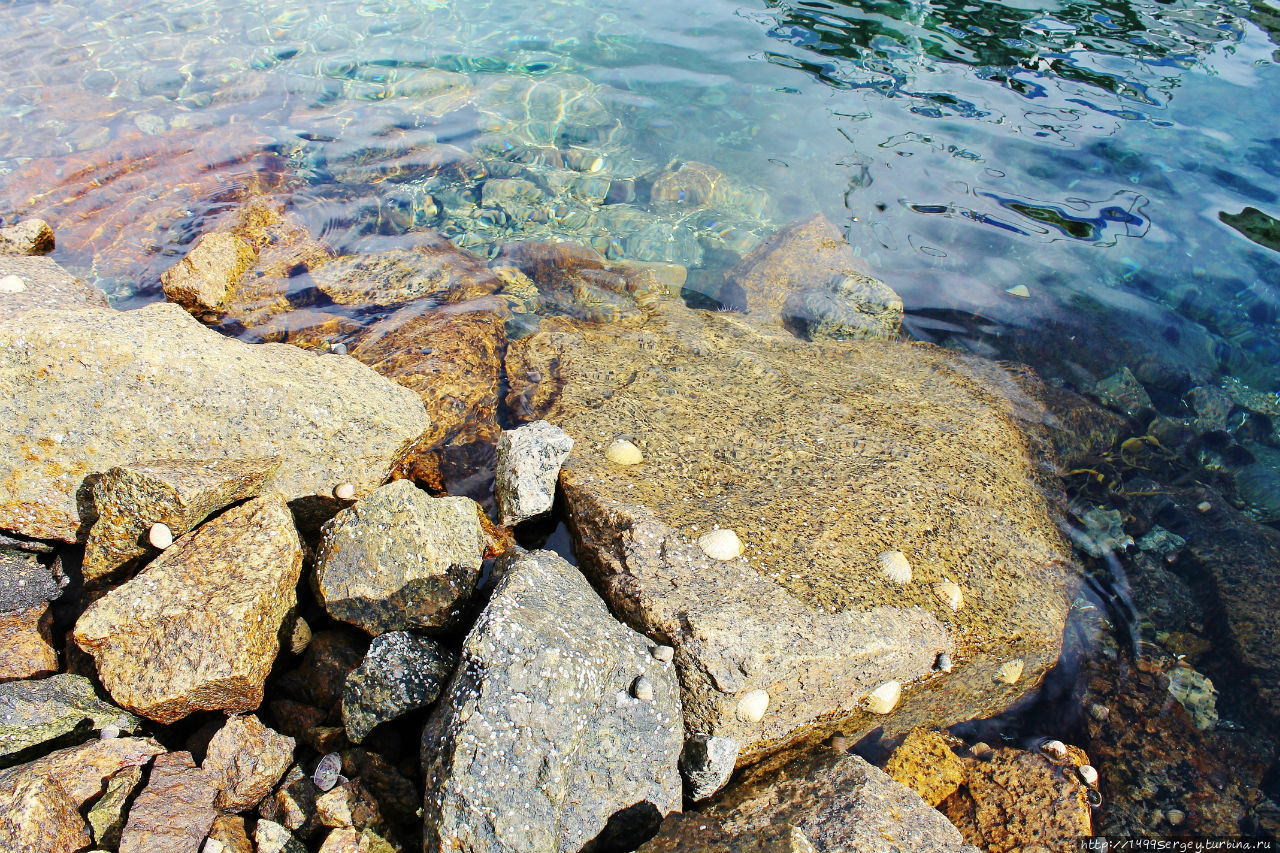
x,y
400,673
529,460
219,596
573,279
892,431
174,812
177,493
926,763
1195,692
28,237
38,712
537,745
155,384
433,269
400,560
697,185
201,281
1123,392
245,759
36,282
821,801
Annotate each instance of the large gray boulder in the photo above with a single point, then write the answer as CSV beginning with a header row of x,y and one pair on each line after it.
x,y
541,741
84,391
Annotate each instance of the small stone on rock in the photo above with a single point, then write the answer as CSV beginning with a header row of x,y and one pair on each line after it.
x,y
663,653
1204,506
943,662
752,706
1019,290
1088,775
160,536
884,698
623,452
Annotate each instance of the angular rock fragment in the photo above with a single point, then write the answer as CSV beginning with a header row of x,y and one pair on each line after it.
x,y
82,771
24,583
37,814
37,712
352,841
200,282
926,764
28,237
537,744
293,805
178,493
271,837
229,831
893,441
26,644
350,805
400,559
197,629
529,460
822,802
436,269
174,812
96,389
245,760
41,283
706,765
107,816
401,673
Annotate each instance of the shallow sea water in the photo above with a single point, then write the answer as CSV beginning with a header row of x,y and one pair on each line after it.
x,y
1084,154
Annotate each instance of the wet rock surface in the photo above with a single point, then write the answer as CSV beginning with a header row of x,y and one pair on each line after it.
x,y
824,801
245,759
400,673
926,763
529,460
38,712
400,559
897,438
436,269
200,282
28,283
544,683
197,629
174,812
153,383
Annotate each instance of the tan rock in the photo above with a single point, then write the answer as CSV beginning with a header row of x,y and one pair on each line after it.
x,y
436,269
26,644
178,493
354,841
107,816
349,805
926,764
82,770
95,389
900,447
174,812
246,759
452,357
41,283
197,629
229,831
28,237
37,814
200,281
271,837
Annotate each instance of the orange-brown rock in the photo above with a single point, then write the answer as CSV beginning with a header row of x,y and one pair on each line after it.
x,y
355,841
245,760
82,770
452,357
349,804
201,281
197,629
36,814
926,763
229,831
174,812
26,643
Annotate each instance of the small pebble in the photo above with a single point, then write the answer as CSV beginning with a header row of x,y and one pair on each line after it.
x,y
721,544
948,592
160,536
894,566
752,706
345,492
327,772
623,452
642,689
109,732
1011,671
1099,712
12,284
884,698
1088,775
663,653
338,349
943,662
1204,506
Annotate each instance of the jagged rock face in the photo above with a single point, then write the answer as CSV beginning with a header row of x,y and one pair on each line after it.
x,y
822,802
245,760
29,237
174,812
401,673
540,741
197,629
36,282
37,712
821,457
88,390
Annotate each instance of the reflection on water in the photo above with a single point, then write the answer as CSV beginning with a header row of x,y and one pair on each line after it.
x,y
1084,186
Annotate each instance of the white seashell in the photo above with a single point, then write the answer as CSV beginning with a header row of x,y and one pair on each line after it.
x,y
160,536
751,707
1019,290
345,492
720,544
1204,506
1054,749
894,566
884,698
623,452
1011,671
663,653
12,284
1175,816
642,689
1088,775
109,732
949,594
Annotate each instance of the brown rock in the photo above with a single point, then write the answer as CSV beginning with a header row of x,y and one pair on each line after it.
x,y
435,269
353,841
36,814
107,816
1013,800
179,493
229,831
197,629
926,764
174,812
26,644
82,770
297,720
452,357
200,281
284,248
396,795
576,280
154,383
306,328
245,760
329,659
41,283
294,804
350,805
28,237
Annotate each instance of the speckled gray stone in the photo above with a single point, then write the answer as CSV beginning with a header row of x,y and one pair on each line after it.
x,y
24,583
400,673
36,712
706,764
400,560
28,237
537,742
529,460
45,284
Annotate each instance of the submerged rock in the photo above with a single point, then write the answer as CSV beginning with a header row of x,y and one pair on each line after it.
x,y
400,560
537,744
174,812
823,802
893,442
529,460
401,673
436,269
28,237
41,283
177,493
197,629
89,390
38,712
926,763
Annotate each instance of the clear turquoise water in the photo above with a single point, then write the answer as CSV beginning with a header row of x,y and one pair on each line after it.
x,y
1083,150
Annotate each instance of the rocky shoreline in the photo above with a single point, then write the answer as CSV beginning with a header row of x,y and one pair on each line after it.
x,y
292,595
